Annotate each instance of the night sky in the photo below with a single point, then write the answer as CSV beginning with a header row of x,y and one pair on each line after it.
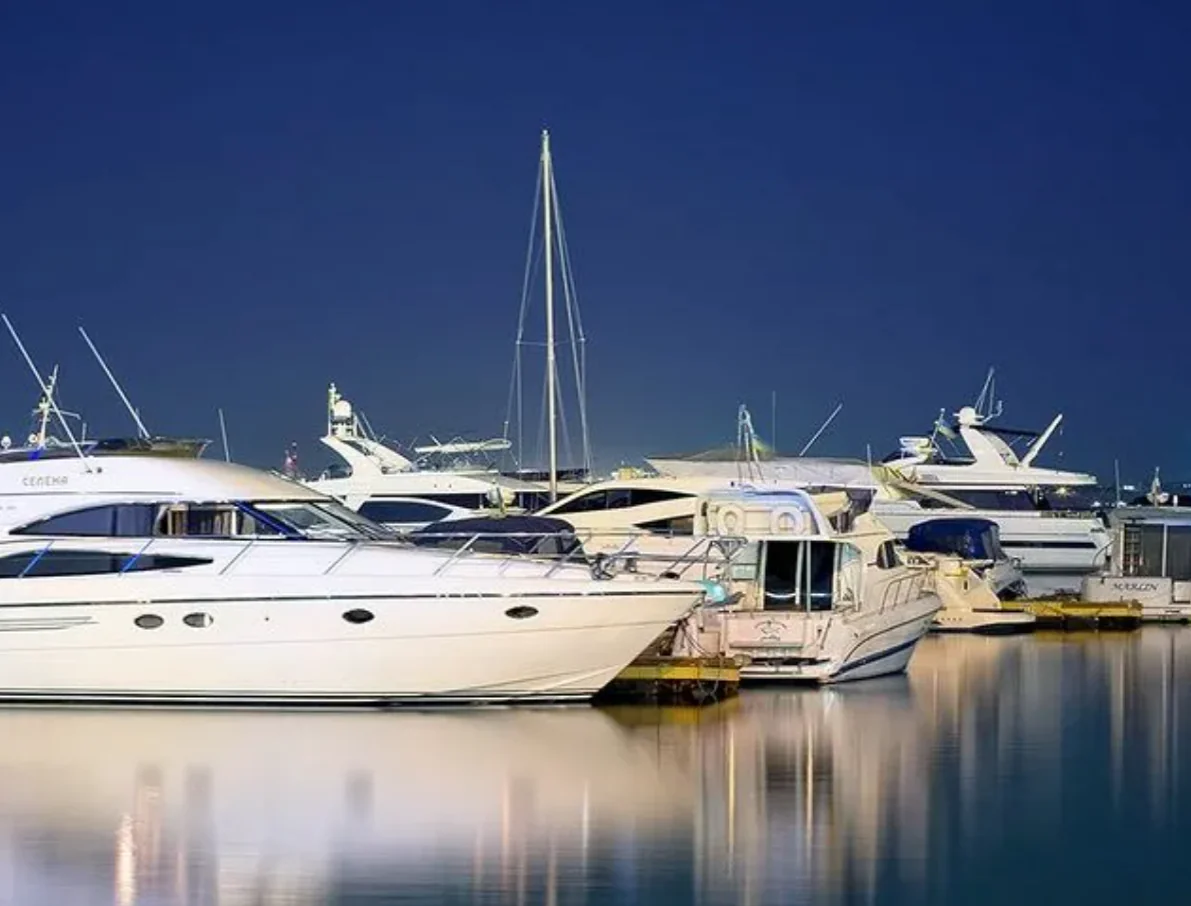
x,y
867,203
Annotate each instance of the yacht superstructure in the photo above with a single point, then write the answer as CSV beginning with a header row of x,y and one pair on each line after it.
x,y
1042,518
387,487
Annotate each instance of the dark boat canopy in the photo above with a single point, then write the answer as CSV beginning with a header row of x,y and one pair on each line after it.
x,y
183,447
529,535
969,538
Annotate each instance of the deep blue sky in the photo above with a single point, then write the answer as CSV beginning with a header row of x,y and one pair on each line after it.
x,y
864,202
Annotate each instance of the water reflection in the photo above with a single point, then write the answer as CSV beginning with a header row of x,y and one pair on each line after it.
x,y
995,759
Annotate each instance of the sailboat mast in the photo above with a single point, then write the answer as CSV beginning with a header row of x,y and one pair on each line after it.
x,y
547,236
44,408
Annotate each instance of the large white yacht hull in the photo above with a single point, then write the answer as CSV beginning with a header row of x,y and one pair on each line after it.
x,y
1055,551
295,647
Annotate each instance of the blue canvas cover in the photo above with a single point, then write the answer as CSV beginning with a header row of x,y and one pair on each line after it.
x,y
970,538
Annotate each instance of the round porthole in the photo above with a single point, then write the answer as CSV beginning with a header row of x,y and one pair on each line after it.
x,y
358,616
521,612
148,621
198,620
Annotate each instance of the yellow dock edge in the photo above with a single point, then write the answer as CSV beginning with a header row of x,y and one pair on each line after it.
x,y
1061,610
689,680
680,671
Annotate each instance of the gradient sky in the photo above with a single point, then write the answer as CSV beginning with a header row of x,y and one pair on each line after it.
x,y
865,203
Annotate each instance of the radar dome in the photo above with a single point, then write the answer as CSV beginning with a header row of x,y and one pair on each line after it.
x,y
342,409
967,416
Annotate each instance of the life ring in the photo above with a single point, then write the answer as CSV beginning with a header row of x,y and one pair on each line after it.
x,y
603,566
787,520
729,520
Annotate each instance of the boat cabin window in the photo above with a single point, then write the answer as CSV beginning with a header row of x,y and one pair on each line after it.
x,y
799,575
618,499
404,511
274,519
50,562
127,520
1157,550
887,557
677,525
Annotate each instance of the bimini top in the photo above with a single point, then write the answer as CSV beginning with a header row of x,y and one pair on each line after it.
x,y
185,447
755,513
969,538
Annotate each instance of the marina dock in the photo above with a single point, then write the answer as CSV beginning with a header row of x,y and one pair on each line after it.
x,y
1077,614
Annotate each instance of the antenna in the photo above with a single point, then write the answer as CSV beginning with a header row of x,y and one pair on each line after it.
x,y
227,454
822,428
1116,475
987,405
116,384
46,391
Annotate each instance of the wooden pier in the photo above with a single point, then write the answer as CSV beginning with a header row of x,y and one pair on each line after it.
x,y
665,679
1072,613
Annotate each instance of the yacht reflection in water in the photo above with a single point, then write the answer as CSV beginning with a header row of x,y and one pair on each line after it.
x,y
894,791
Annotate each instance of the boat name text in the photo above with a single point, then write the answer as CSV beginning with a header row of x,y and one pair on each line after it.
x,y
45,481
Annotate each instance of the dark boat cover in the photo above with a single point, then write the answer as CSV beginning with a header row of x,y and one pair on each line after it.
x,y
541,536
970,538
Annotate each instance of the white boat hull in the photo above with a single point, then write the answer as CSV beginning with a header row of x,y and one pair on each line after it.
x,y
990,622
862,648
299,650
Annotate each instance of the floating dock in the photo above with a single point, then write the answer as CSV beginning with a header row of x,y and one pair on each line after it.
x,y
669,680
1072,613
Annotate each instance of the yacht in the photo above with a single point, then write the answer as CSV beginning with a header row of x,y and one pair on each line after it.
x,y
383,485
172,579
970,468
805,602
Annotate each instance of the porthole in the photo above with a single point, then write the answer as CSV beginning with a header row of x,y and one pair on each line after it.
x,y
521,612
358,616
148,621
198,620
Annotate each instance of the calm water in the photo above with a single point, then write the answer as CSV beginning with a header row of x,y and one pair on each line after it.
x,y
1044,769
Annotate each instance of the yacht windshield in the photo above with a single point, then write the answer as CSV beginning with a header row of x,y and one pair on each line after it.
x,y
324,520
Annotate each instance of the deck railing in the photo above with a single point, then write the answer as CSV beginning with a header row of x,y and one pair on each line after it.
x,y
605,554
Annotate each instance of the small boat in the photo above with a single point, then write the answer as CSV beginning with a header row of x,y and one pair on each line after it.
x,y
973,576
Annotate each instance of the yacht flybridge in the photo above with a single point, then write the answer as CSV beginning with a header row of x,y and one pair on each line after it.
x,y
179,580
389,488
1043,517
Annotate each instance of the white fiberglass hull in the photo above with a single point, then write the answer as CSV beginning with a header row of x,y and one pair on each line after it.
x,y
296,648
990,622
861,648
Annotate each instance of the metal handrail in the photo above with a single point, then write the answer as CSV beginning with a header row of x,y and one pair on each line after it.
x,y
701,552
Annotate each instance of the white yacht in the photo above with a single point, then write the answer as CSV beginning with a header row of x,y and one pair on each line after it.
x,y
378,482
808,603
173,579
1042,518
